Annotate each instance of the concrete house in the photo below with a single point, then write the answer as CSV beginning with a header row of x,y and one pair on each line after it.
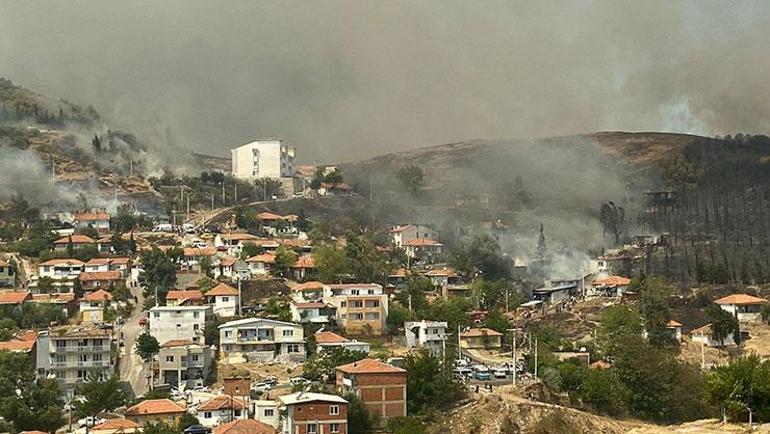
x,y
244,426
314,413
326,340
743,306
612,286
382,387
426,334
422,248
92,306
262,339
316,312
78,242
63,272
156,410
402,234
93,280
704,335
221,409
99,219
7,274
303,267
362,308
184,362
259,265
172,323
483,338
224,300
187,297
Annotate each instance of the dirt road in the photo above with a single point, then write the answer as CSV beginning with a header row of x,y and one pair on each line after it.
x,y
132,369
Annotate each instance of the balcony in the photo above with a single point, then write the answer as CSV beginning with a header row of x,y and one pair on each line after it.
x,y
82,349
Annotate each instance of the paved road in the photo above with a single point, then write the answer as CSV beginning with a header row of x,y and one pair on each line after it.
x,y
132,368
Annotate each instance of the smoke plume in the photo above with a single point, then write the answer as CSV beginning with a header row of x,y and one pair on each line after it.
x,y
350,79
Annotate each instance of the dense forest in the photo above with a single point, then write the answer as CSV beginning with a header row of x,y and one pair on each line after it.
x,y
716,213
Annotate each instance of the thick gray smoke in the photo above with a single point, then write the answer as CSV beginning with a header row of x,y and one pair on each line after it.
x,y
350,78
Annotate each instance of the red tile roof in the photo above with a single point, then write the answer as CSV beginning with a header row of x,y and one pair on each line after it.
x,y
740,299
222,402
177,343
244,426
227,261
481,331
305,261
14,297
199,251
88,276
155,406
417,242
267,258
222,289
369,366
327,337
52,262
613,281
92,216
309,305
17,345
439,272
76,239
100,295
673,324
116,424
184,295
308,286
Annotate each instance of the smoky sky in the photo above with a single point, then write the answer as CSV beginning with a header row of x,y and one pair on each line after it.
x,y
351,79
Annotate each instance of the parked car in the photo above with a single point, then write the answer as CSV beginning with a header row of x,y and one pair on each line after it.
x,y
188,228
270,380
501,372
90,421
461,362
143,321
482,375
198,244
299,380
261,387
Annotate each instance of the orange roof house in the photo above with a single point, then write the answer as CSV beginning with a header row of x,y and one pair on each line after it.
x,y
117,426
381,386
99,295
222,289
244,426
14,297
76,239
740,299
743,306
612,281
155,410
481,337
181,297
267,258
222,402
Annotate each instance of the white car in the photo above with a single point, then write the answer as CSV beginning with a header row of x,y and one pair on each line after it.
x,y
90,421
261,387
198,244
299,380
501,373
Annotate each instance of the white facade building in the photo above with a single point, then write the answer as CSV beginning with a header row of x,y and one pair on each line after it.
x,y
426,334
262,339
263,159
170,323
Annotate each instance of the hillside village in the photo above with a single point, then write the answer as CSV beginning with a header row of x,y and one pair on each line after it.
x,y
249,318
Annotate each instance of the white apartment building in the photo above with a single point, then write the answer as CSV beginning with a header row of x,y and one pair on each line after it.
x,y
361,308
262,339
74,354
403,234
174,323
184,362
64,272
263,159
426,334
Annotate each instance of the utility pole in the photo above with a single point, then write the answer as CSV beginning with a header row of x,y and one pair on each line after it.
x,y
239,296
188,206
212,202
535,356
459,353
223,193
181,190
53,168
235,193
513,353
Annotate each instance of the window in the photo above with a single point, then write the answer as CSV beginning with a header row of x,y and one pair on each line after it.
x,y
196,314
344,304
97,357
207,414
196,326
61,344
358,304
194,357
228,333
82,357
237,413
156,314
288,333
334,427
354,291
334,409
225,299
293,348
370,292
269,412
170,359
311,428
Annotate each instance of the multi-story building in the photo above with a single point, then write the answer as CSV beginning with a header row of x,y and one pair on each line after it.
x,y
184,362
73,354
63,272
362,308
169,323
262,339
76,241
402,234
381,387
426,334
92,280
224,300
243,426
263,159
313,413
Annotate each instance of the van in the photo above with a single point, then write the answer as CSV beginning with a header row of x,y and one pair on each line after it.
x,y
163,227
